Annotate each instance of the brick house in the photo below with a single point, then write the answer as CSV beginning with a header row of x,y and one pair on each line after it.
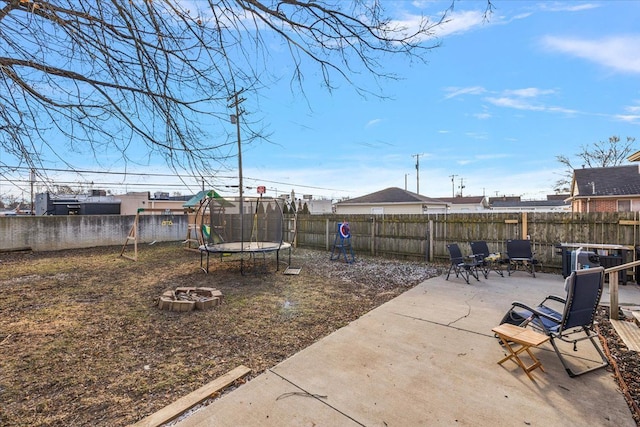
x,y
553,203
606,189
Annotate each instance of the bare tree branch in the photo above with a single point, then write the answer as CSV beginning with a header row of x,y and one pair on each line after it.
x,y
104,77
601,154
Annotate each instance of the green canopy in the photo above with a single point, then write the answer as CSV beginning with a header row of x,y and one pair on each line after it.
x,y
198,198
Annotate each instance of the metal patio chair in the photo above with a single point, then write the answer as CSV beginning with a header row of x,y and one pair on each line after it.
x,y
462,266
487,261
569,319
520,256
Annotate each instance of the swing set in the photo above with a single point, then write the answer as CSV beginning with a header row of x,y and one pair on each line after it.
x,y
133,232
200,209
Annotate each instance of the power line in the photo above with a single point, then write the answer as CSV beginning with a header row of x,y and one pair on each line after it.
x,y
96,183
21,185
196,177
79,171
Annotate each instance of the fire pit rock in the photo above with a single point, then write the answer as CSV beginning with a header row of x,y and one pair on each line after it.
x,y
189,298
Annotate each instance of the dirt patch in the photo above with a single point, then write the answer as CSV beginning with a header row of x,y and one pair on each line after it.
x,y
82,343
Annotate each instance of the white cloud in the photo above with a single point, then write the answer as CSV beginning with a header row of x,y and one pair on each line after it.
x,y
561,110
442,24
421,3
567,6
521,104
629,118
522,16
482,116
452,92
372,123
620,53
516,103
530,92
523,99
460,22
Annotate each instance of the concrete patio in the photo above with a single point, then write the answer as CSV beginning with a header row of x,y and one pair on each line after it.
x,y
428,357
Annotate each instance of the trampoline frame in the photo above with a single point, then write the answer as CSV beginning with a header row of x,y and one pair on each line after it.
x,y
254,249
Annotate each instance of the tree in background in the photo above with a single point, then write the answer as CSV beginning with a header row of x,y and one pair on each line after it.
x,y
613,152
102,77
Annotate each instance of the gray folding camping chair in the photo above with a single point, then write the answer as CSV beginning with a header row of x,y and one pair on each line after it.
x,y
487,261
462,266
520,256
573,321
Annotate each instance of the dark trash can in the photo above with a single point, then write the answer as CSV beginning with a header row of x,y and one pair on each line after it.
x,y
577,259
608,261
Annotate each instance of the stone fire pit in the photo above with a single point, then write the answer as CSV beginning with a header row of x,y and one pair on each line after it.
x,y
189,298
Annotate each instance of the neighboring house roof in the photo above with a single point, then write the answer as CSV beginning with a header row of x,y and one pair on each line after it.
x,y
634,157
609,181
557,196
468,200
528,203
391,195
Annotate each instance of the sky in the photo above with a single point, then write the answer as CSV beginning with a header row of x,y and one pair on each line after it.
x,y
497,101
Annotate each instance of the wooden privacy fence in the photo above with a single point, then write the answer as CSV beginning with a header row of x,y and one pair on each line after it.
x,y
419,237
425,236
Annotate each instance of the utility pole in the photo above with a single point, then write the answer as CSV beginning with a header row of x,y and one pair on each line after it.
x,y
235,119
453,185
405,181
417,156
461,186
32,180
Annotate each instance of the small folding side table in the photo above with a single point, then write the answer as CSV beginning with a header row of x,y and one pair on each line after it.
x,y
517,340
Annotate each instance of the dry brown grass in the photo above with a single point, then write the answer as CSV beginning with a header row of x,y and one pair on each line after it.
x,y
81,342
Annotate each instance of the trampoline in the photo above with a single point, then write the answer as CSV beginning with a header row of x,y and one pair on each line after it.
x,y
229,236
253,250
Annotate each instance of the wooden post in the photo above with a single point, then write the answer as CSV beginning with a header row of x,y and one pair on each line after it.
x,y
133,235
430,241
326,234
613,295
373,235
295,231
525,228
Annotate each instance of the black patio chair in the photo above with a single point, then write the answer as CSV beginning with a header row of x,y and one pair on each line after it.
x,y
520,257
487,261
462,266
572,318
